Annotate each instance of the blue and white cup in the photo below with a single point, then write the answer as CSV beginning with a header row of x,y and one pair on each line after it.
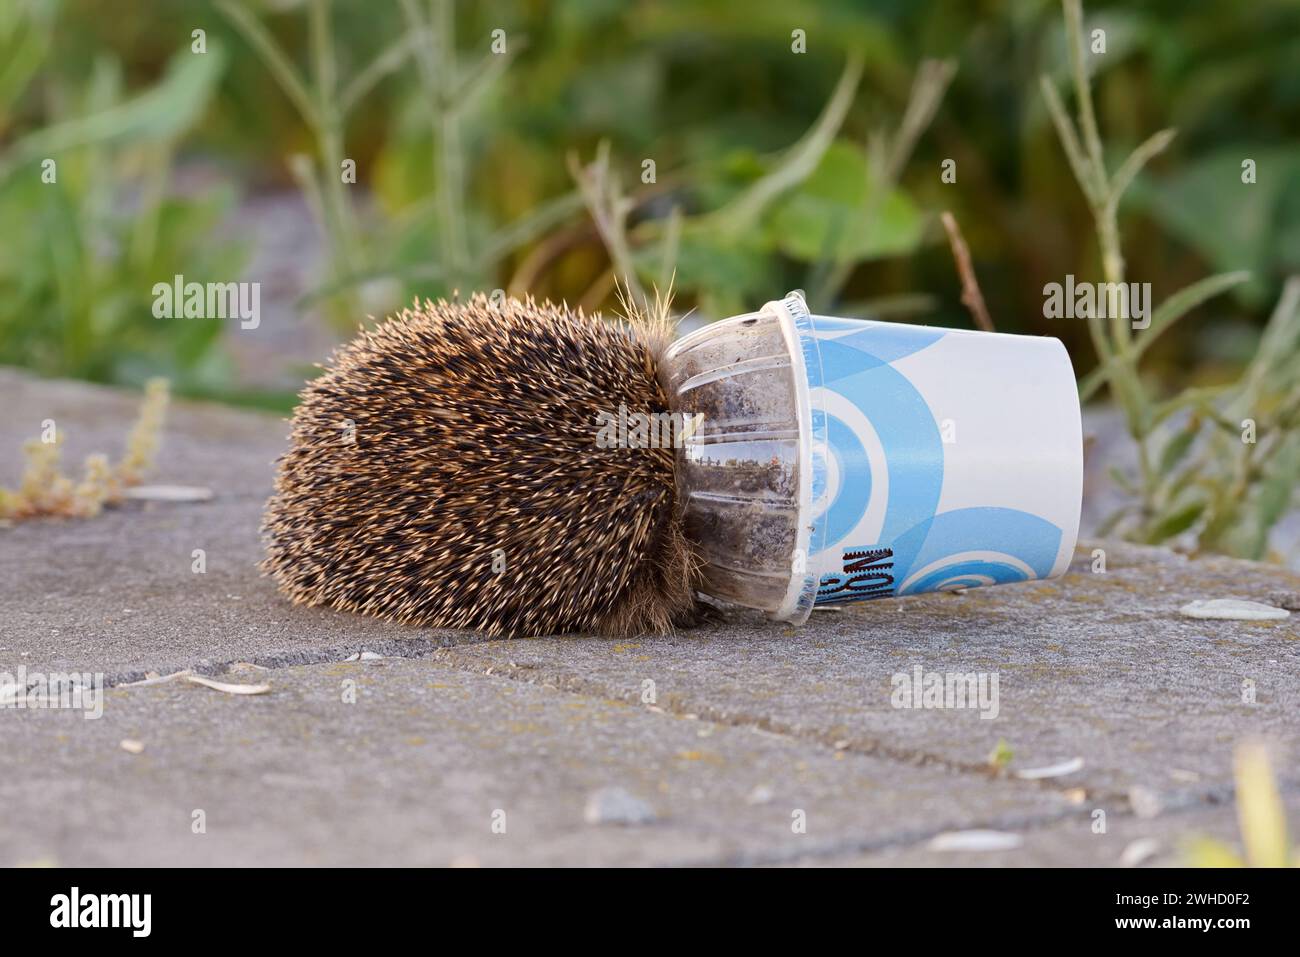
x,y
839,460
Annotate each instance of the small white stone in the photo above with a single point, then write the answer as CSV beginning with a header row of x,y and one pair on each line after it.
x,y
1139,852
1233,609
762,794
1145,802
168,493
617,806
1058,770
976,841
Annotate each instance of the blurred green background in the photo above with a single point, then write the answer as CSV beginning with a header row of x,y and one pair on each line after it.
x,y
224,165
711,92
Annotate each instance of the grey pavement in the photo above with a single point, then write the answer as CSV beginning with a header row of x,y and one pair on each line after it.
x,y
451,749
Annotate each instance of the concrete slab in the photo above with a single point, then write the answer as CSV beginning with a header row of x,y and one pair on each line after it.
x,y
1095,666
418,767
118,594
1167,840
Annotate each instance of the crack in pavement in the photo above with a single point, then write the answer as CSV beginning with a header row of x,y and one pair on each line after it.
x,y
445,649
907,838
914,837
836,741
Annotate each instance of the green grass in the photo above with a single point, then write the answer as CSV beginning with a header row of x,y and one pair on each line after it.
x,y
1216,465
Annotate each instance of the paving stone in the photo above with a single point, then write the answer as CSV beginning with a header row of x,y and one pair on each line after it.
x,y
1094,666
419,768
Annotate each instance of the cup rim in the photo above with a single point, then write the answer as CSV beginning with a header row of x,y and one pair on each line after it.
x,y
801,592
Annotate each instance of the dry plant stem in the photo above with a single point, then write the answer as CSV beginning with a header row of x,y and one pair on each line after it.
x,y
928,89
609,208
1087,117
322,110
451,182
437,71
669,249
46,491
146,435
599,290
330,136
555,244
971,296
541,222
545,254
799,161
1260,812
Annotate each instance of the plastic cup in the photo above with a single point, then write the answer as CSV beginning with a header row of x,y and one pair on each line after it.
x,y
844,460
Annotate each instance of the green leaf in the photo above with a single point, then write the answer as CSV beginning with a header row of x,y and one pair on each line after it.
x,y
1123,481
1165,315
1112,521
1001,754
1153,146
798,162
1200,398
706,260
24,43
826,218
1177,447
1185,300
1278,487
160,114
388,60
1235,225
1177,484
1175,522
273,55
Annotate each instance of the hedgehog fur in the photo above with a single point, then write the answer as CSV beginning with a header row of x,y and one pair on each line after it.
x,y
444,471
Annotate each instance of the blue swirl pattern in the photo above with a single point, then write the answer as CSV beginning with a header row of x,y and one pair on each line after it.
x,y
851,360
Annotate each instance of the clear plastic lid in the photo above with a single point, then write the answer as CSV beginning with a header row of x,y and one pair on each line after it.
x,y
743,474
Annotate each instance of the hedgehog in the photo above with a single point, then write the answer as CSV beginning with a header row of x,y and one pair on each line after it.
x,y
443,471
